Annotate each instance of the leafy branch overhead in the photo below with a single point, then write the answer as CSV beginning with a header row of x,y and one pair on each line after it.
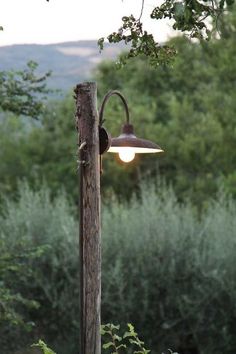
x,y
197,19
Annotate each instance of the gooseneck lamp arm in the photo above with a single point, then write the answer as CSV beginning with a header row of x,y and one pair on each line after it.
x,y
126,144
106,98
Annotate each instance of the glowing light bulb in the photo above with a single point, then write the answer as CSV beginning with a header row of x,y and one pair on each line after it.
x,y
126,155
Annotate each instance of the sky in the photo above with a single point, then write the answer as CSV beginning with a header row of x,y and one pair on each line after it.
x,y
43,22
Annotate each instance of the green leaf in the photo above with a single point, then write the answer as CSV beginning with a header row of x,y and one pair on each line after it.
x,y
121,346
43,347
108,345
117,337
131,327
136,342
128,334
114,326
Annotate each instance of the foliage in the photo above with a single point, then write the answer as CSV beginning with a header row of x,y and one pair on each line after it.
x,y
12,303
142,43
165,269
187,109
112,341
199,19
115,343
14,268
34,221
39,151
21,92
43,347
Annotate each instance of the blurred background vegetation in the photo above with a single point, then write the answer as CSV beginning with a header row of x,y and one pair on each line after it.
x,y
168,222
164,269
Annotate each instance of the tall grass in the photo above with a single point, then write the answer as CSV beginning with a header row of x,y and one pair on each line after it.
x,y
166,269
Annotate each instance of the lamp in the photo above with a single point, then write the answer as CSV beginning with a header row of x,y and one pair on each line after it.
x,y
93,140
127,144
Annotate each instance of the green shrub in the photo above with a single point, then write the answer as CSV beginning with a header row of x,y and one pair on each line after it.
x,y
116,342
113,341
171,274
165,269
31,221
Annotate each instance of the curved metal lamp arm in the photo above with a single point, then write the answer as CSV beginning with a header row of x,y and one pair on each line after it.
x,y
106,98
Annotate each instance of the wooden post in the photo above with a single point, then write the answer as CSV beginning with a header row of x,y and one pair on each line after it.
x,y
90,229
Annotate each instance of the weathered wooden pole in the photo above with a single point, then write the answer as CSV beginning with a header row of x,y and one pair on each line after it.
x,y
90,226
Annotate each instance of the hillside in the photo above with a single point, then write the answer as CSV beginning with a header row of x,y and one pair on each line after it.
x,y
70,62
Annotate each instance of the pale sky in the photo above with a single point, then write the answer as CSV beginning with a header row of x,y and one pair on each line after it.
x,y
39,21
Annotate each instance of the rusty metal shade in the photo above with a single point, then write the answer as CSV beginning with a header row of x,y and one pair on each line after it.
x,y
128,140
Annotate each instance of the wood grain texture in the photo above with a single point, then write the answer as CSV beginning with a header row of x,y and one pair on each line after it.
x,y
90,230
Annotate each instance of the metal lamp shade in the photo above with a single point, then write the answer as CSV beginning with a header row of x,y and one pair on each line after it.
x,y
127,140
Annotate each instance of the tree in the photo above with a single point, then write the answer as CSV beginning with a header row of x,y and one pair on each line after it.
x,y
188,109
23,92
36,151
196,18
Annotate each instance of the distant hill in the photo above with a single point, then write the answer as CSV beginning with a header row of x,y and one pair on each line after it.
x,y
70,62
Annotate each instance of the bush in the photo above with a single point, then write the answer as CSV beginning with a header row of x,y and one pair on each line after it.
x,y
35,220
165,269
171,273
